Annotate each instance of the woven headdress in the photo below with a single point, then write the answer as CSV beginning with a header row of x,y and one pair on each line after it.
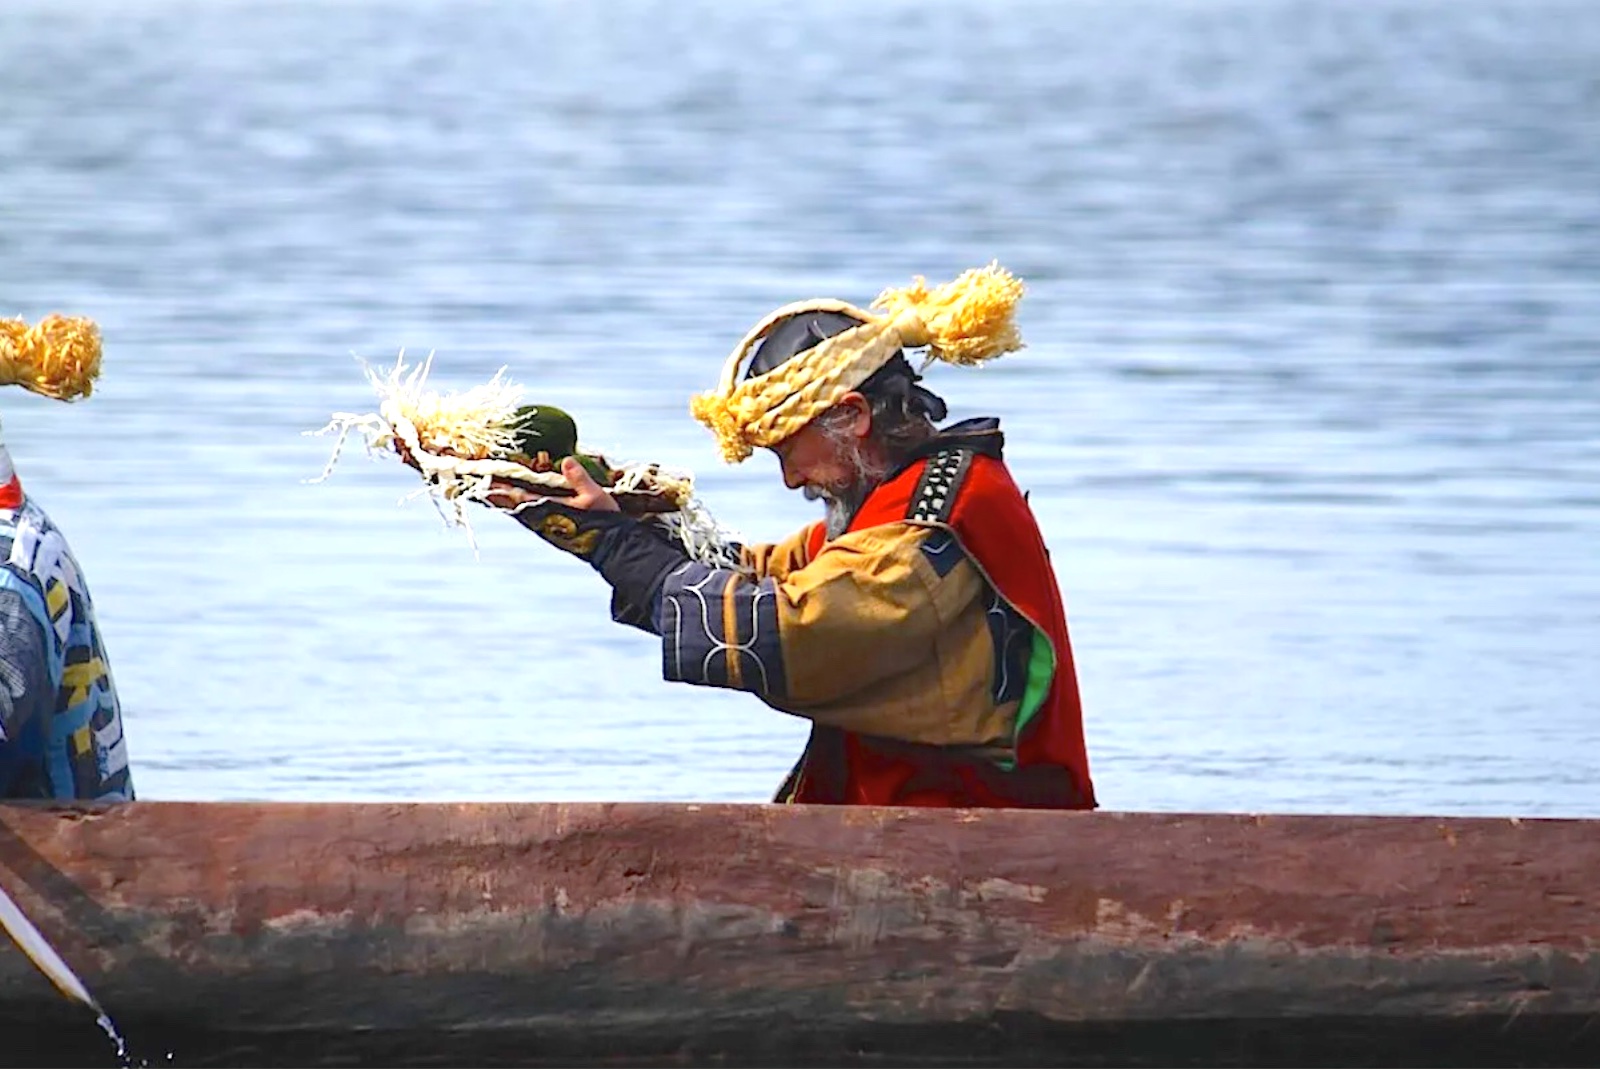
x,y
59,358
967,321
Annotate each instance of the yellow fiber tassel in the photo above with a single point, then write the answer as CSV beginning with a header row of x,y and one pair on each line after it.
x,y
732,436
967,321
59,358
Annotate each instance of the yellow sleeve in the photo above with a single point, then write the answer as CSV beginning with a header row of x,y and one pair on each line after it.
x,y
869,607
863,637
778,559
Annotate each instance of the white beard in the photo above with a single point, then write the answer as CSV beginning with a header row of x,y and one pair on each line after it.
x,y
836,519
837,511
841,503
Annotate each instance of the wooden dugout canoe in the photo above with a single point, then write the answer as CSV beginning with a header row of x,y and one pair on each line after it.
x,y
535,933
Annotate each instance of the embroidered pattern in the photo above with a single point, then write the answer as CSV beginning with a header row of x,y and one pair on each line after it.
x,y
943,552
721,630
1012,636
81,752
934,500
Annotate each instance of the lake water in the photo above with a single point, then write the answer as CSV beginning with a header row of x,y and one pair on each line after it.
x,y
1310,413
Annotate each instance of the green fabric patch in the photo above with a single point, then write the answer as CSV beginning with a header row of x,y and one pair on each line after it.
x,y
1041,670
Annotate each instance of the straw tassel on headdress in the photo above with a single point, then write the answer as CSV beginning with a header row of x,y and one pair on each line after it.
x,y
968,321
59,358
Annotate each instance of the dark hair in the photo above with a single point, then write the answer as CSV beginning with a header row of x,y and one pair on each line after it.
x,y
904,414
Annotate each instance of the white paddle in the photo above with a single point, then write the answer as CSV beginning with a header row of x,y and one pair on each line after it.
x,y
38,949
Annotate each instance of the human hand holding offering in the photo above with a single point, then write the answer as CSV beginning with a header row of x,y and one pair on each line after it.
x,y
545,441
586,494
575,522
483,445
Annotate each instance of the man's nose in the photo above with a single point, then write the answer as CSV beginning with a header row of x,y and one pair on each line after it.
x,y
791,478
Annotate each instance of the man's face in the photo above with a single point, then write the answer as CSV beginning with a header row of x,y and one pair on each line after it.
x,y
816,462
830,462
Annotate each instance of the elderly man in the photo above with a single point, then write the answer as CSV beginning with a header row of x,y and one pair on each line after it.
x,y
918,625
60,723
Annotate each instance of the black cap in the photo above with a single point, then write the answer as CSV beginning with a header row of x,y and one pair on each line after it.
x,y
795,334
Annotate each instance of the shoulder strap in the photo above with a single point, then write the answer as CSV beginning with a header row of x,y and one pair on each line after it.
x,y
934,500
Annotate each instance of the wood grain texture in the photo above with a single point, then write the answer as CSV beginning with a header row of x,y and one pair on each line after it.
x,y
642,931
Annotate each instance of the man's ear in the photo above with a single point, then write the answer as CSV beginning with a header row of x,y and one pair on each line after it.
x,y
861,422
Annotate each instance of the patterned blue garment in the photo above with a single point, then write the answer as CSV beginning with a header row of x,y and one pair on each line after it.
x,y
60,724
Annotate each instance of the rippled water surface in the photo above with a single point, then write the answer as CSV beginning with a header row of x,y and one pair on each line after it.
x,y
1310,412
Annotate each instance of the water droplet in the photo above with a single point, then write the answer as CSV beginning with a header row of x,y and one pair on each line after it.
x,y
124,1058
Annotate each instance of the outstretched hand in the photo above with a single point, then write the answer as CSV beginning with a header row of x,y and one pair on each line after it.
x,y
586,493
573,523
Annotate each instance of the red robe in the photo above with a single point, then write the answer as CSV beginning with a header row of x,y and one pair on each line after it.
x,y
997,530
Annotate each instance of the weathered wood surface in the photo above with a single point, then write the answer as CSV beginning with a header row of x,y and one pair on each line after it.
x,y
631,932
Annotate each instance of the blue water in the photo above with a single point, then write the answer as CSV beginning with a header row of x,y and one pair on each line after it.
x,y
1310,412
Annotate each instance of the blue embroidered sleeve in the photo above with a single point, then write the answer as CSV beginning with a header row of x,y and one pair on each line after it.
x,y
720,629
